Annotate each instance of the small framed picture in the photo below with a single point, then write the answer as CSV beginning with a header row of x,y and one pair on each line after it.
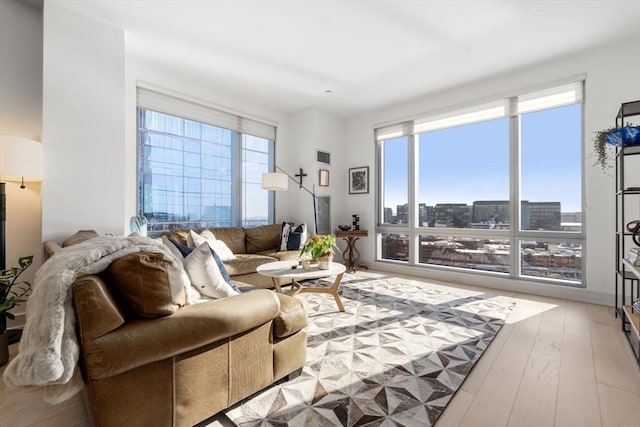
x,y
323,157
359,180
323,178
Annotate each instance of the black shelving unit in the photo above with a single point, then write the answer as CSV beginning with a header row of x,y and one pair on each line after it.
x,y
627,277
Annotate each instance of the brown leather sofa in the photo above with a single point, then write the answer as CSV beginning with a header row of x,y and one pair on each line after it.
x,y
181,369
252,247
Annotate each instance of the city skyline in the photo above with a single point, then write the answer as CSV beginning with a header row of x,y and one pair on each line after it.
x,y
471,162
488,214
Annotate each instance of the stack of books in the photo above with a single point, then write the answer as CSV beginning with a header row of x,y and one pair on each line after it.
x,y
634,256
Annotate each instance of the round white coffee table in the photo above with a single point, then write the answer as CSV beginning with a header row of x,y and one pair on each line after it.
x,y
281,270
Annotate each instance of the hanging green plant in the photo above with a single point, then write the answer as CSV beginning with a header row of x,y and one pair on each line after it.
x,y
602,150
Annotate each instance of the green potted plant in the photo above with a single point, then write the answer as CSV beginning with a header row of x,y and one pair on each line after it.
x,y
320,247
12,294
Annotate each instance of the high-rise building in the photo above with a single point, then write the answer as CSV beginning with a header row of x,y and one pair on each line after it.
x,y
454,215
426,215
490,211
388,216
544,216
571,216
403,213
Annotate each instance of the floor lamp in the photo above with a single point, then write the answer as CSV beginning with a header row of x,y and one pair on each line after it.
x,y
21,160
280,182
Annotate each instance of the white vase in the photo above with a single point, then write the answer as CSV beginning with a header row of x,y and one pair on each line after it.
x,y
324,262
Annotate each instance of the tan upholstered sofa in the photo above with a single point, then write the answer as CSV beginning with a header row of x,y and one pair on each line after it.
x,y
252,247
180,369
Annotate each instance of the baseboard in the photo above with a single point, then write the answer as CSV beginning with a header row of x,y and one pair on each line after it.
x,y
18,322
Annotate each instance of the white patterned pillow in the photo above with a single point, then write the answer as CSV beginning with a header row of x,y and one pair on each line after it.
x,y
205,274
194,240
292,238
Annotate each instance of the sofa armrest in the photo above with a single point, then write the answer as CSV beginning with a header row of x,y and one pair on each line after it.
x,y
97,312
145,341
291,318
51,248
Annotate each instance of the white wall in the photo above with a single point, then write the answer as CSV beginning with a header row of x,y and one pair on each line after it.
x,y
83,125
313,130
611,78
89,125
21,115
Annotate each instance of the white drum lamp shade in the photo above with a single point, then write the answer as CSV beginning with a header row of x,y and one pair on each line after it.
x,y
20,158
275,181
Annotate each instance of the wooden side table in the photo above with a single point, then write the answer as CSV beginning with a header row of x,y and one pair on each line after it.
x,y
351,254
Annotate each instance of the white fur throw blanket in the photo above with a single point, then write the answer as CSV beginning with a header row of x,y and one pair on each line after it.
x,y
49,351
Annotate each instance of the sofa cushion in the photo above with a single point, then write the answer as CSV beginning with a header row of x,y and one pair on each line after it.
x,y
51,248
233,237
172,247
284,255
183,249
245,263
262,238
79,237
179,235
103,311
149,284
291,318
222,250
206,275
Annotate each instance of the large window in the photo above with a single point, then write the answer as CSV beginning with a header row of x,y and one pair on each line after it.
x,y
495,188
192,172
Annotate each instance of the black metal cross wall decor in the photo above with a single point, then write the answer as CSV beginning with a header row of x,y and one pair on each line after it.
x,y
301,175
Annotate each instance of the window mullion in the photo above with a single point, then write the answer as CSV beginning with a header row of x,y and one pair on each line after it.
x,y
380,188
412,198
514,196
236,181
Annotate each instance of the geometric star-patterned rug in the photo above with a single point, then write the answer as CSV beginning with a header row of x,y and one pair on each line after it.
x,y
395,357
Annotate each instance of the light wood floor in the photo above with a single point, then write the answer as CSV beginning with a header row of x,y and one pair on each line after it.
x,y
554,363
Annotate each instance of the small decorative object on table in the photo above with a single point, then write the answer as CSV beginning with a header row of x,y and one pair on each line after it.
x,y
636,305
138,224
356,221
11,297
320,247
344,227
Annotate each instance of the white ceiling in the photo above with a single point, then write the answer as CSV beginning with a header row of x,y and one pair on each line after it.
x,y
284,54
